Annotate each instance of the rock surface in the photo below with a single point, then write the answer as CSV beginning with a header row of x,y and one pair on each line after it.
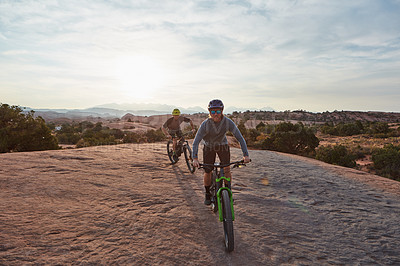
x,y
127,205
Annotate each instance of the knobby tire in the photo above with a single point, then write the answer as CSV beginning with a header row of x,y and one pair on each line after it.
x,y
188,157
170,152
213,192
228,223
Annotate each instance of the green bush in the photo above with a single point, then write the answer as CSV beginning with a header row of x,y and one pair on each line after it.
x,y
243,130
387,161
132,137
68,138
337,154
261,127
154,135
379,128
291,138
21,131
96,141
343,129
359,151
187,129
253,134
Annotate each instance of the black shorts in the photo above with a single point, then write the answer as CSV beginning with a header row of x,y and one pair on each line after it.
x,y
175,133
209,155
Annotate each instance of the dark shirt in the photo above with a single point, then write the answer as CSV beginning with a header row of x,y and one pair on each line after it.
x,y
175,125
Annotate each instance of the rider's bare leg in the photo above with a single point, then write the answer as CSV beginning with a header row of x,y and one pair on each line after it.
x,y
207,184
174,143
207,179
227,172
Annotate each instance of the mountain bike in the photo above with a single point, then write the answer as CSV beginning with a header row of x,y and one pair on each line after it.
x,y
182,146
222,199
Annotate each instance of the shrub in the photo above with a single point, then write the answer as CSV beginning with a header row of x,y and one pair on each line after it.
x,y
154,135
291,138
21,131
96,141
359,151
380,128
242,128
188,128
253,134
68,138
261,126
387,161
348,129
132,137
343,129
337,154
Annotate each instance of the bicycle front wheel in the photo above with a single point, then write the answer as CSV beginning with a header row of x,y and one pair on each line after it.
x,y
213,192
170,152
227,221
188,157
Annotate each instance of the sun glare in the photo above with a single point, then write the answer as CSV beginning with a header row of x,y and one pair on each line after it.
x,y
139,76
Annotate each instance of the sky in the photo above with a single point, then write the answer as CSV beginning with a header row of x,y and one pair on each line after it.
x,y
314,55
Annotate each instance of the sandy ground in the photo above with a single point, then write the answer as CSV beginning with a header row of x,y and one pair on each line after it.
x,y
127,205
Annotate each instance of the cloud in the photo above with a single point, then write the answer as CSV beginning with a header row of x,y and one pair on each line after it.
x,y
264,49
15,52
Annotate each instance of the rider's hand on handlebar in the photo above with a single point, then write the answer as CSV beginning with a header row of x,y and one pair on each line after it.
x,y
196,163
246,159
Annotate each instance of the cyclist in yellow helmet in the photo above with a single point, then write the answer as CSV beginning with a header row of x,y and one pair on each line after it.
x,y
172,127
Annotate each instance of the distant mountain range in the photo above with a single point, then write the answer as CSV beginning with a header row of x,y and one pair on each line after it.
x,y
114,110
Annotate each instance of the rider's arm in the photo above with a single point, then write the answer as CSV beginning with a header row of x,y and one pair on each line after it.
x,y
236,132
188,120
165,127
164,130
199,136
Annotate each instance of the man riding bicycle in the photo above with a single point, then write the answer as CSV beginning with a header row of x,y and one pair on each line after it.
x,y
172,127
213,132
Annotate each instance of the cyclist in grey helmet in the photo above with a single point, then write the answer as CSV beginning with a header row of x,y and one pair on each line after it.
x,y
213,132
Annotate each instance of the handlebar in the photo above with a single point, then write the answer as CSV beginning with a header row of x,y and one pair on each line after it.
x,y
187,133
218,165
182,137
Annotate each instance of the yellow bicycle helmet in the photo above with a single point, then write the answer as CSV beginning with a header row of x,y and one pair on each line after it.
x,y
176,112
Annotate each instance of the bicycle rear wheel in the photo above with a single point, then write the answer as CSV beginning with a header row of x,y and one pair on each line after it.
x,y
188,157
228,223
170,152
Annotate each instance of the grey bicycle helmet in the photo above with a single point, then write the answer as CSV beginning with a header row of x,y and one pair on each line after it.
x,y
216,104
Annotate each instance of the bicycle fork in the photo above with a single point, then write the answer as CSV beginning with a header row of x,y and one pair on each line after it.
x,y
219,197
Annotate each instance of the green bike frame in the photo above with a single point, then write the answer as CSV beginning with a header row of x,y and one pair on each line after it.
x,y
221,218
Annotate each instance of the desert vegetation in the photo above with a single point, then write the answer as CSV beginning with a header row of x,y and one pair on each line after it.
x,y
371,145
367,146
22,131
318,118
285,137
85,134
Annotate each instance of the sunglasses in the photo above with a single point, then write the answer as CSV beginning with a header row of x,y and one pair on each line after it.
x,y
214,112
